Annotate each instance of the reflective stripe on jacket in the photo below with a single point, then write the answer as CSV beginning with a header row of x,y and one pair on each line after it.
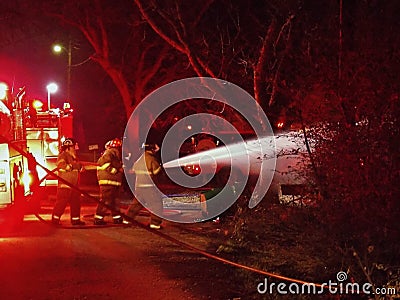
x,y
109,182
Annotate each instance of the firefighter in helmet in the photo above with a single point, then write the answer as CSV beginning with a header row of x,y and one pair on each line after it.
x,y
69,168
109,175
146,169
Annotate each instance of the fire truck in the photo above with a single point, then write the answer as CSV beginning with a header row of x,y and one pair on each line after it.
x,y
29,146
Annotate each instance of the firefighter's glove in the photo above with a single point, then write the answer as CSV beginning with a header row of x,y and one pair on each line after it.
x,y
76,166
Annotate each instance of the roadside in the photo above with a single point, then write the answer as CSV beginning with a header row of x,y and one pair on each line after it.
x,y
43,262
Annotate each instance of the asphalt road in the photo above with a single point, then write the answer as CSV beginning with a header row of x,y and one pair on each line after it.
x,y
43,262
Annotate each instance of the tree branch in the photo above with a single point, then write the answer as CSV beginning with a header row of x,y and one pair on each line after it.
x,y
156,28
260,71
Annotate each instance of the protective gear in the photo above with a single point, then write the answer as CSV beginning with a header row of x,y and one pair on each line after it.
x,y
118,220
77,222
146,167
68,169
67,143
109,170
153,226
150,147
76,165
99,221
109,175
55,220
115,143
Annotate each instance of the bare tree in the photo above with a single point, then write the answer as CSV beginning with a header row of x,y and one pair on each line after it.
x,y
177,35
223,39
120,44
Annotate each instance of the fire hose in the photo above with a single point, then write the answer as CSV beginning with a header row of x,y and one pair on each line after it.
x,y
161,234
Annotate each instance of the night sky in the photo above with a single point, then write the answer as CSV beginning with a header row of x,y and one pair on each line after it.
x,y
30,62
26,58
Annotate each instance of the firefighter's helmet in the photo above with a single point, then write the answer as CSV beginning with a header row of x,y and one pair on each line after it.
x,y
67,143
115,143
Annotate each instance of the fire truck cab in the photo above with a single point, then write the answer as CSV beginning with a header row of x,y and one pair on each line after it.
x,y
29,139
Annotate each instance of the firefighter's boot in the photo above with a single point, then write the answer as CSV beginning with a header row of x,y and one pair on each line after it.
x,y
154,226
120,220
77,222
99,221
55,220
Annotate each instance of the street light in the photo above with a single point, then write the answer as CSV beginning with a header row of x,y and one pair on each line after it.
x,y
51,88
57,49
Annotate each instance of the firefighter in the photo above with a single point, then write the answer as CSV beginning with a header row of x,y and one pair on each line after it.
x,y
109,175
69,168
146,168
